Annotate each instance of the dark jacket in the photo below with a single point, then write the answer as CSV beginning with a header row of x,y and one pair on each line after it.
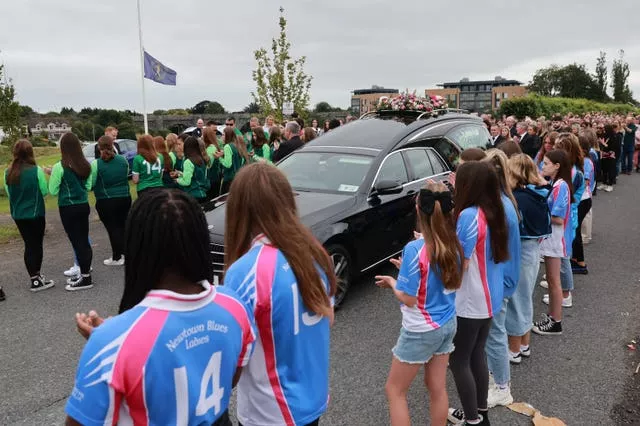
x,y
497,140
96,150
534,210
530,145
287,148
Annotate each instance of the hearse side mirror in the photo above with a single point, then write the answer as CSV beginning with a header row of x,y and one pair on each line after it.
x,y
385,187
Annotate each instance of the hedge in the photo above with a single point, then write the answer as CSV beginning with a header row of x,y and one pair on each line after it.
x,y
535,106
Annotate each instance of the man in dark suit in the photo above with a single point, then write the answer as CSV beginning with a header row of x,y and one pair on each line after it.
x,y
529,140
109,131
496,137
292,135
511,123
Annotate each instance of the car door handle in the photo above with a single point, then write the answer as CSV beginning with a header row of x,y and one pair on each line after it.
x,y
411,192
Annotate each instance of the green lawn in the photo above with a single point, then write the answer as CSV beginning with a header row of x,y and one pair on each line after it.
x,y
45,157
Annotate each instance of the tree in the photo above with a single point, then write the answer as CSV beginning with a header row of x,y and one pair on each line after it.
x,y
252,108
620,80
281,78
67,111
569,81
9,109
601,76
215,108
26,111
323,107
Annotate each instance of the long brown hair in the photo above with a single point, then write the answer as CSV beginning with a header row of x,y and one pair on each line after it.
x,y
259,139
477,185
160,146
231,137
171,139
105,145
438,229
560,157
309,134
571,144
22,158
552,139
146,149
275,134
261,201
498,160
210,137
192,151
72,156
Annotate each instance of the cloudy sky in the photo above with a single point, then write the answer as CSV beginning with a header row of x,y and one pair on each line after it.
x,y
85,52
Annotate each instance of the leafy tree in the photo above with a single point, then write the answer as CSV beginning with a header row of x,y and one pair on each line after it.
x,y
215,108
569,81
620,80
178,111
323,107
601,76
159,112
252,108
26,111
67,111
545,81
280,78
9,109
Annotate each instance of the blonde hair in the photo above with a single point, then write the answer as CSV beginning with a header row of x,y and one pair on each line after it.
x,y
522,171
499,161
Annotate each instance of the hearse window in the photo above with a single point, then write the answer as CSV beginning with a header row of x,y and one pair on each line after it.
x,y
448,151
419,163
470,136
436,162
393,169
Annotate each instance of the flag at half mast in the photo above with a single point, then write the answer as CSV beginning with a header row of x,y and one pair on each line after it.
x,y
156,71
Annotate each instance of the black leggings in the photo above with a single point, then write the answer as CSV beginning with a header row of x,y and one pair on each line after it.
x,y
214,190
32,232
468,364
225,187
578,249
608,171
75,221
113,214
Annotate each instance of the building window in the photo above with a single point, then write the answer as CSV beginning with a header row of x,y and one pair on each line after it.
x,y
505,95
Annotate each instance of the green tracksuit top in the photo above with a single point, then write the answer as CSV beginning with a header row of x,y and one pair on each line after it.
x,y
26,198
70,188
150,175
110,178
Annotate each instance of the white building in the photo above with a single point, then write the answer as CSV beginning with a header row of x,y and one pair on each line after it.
x,y
54,130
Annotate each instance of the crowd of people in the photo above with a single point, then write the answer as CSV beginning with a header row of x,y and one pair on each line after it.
x,y
465,283
203,164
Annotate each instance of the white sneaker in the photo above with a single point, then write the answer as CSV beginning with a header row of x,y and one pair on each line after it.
x,y
74,271
515,359
111,262
567,302
601,186
499,396
544,284
525,351
608,188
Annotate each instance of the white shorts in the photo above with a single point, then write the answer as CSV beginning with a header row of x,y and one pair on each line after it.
x,y
552,245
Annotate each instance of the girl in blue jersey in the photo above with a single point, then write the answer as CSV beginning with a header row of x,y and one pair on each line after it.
x,y
287,278
175,351
430,272
587,141
498,342
530,191
482,231
557,168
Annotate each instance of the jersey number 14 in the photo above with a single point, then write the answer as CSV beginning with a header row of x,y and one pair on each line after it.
x,y
156,166
205,402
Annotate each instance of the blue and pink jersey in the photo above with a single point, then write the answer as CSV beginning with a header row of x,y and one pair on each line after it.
x,y
419,278
590,177
480,295
169,360
560,206
287,380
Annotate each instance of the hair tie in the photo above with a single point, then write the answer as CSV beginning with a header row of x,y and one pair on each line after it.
x,y
427,201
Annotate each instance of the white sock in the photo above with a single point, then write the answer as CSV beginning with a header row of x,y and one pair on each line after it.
x,y
503,387
514,354
524,348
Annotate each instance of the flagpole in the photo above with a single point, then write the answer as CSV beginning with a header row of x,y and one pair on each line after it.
x,y
144,97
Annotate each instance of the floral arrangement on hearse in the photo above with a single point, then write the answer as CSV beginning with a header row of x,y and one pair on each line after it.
x,y
411,102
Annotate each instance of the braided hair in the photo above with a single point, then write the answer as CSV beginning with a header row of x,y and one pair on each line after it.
x,y
164,218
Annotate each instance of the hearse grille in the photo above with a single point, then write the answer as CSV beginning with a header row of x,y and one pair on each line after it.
x,y
217,259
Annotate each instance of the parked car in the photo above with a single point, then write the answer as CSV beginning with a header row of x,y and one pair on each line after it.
x,y
355,186
128,148
219,130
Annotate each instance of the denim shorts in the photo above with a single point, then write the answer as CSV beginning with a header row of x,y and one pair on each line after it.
x,y
418,347
519,318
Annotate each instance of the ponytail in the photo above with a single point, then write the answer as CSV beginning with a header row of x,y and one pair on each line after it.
x,y
437,225
105,145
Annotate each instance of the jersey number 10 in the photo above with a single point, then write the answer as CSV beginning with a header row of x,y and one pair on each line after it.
x,y
205,403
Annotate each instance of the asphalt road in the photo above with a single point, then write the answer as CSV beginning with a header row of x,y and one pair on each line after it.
x,y
584,377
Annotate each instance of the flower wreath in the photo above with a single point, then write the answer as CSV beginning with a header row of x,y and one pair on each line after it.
x,y
411,102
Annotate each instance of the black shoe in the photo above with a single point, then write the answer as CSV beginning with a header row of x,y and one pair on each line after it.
x,y
549,328
2,295
39,283
484,421
83,282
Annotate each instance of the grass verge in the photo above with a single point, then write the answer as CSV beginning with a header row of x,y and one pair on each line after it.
x,y
8,232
